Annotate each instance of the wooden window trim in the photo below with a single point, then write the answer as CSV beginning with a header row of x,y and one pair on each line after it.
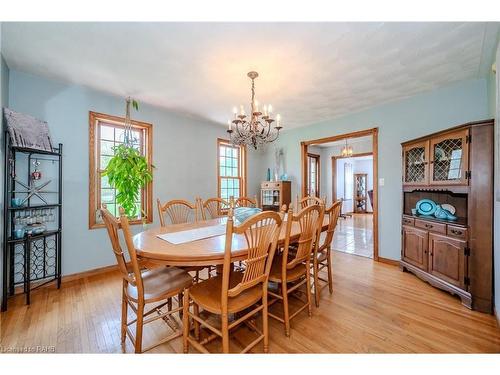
x,y
94,173
242,167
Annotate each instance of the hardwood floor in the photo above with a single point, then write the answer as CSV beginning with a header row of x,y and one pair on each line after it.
x,y
375,308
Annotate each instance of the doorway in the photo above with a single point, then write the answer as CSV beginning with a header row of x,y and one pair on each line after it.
x,y
351,176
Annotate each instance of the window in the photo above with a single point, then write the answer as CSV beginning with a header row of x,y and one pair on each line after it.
x,y
105,132
231,170
313,175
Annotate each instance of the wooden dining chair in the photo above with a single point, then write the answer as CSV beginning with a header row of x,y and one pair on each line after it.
x,y
246,202
309,201
153,287
234,292
322,252
179,211
291,271
214,208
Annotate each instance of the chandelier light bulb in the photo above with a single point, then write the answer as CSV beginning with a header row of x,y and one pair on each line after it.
x,y
270,109
235,110
229,124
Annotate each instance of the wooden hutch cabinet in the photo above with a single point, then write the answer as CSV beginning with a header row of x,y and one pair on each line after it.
x,y
454,166
274,194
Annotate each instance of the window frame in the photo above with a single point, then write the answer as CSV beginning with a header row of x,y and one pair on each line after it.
x,y
95,119
242,167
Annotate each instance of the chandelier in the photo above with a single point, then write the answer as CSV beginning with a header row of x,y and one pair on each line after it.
x,y
346,150
255,129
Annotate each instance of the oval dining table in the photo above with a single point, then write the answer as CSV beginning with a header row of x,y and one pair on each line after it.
x,y
202,252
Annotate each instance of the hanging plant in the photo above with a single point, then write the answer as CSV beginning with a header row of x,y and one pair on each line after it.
x,y
128,171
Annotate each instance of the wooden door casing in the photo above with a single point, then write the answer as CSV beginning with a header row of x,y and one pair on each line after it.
x,y
415,246
447,259
407,149
459,135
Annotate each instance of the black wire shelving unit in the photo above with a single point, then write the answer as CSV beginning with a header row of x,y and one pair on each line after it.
x,y
35,259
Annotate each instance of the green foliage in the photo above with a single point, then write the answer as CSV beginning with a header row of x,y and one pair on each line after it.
x,y
128,172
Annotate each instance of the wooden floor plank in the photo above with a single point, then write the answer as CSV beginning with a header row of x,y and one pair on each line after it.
x,y
375,308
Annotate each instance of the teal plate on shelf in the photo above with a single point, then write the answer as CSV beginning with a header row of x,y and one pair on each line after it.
x,y
426,207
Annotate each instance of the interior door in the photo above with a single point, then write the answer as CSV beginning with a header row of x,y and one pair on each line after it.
x,y
449,158
447,259
415,244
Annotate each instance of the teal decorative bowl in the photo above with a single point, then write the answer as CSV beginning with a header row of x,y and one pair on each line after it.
x,y
426,207
243,213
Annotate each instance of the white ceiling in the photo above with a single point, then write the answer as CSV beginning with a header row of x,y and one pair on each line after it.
x,y
308,71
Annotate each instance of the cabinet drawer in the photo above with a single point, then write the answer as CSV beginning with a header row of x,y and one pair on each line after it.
x,y
408,221
458,232
270,185
435,227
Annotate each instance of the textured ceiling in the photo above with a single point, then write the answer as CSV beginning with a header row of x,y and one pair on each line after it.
x,y
308,71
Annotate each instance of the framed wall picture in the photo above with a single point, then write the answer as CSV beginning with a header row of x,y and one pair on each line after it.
x,y
26,131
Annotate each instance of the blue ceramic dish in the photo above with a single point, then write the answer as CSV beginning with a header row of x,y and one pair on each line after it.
x,y
243,213
426,207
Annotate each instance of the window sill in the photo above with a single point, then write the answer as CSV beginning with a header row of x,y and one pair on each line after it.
x,y
131,222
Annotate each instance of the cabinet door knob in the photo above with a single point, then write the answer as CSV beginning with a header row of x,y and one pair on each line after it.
x,y
457,232
429,226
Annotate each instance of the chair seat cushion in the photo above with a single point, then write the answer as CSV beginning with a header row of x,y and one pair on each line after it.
x,y
208,294
291,274
161,282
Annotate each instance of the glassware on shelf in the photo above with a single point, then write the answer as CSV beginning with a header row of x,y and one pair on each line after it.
x,y
51,215
38,216
30,218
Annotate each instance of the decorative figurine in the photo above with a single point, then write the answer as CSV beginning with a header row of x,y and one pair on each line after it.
x,y
36,174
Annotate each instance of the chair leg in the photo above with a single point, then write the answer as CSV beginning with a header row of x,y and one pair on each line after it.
x,y
185,321
225,333
124,318
329,269
179,298
139,327
196,312
308,286
169,304
317,289
286,316
265,322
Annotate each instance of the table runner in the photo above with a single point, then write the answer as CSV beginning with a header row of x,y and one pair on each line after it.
x,y
193,234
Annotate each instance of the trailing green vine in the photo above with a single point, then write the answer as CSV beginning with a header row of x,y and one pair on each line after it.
x,y
128,171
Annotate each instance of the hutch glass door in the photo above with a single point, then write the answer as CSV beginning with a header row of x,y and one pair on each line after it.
x,y
415,161
449,158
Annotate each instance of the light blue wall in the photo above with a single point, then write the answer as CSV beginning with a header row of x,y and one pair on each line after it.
x,y
397,122
184,153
